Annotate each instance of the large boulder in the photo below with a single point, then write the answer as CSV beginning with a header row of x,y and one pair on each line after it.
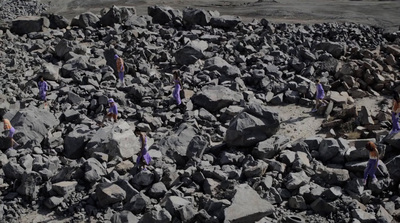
x,y
27,24
334,48
253,125
225,21
193,16
117,141
116,15
222,66
163,14
86,19
393,166
188,55
176,145
108,194
75,142
393,140
33,124
247,206
214,98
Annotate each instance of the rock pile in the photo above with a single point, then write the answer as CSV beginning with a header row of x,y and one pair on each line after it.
x,y
220,161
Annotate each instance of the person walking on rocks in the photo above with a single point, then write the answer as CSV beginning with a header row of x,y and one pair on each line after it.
x,y
144,157
120,68
319,96
372,164
395,113
43,88
177,91
112,112
10,131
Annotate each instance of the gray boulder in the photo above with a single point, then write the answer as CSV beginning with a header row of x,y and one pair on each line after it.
x,y
27,24
65,188
214,98
116,15
254,124
393,140
222,66
75,141
334,48
163,14
247,206
86,19
173,203
159,215
58,21
268,148
93,170
33,124
296,180
50,72
193,16
108,194
188,55
225,21
393,166
29,184
124,217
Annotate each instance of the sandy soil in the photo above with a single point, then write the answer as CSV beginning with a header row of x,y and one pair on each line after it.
x,y
384,14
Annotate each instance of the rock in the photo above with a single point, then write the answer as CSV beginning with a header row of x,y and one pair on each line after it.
x,y
334,48
32,124
393,167
214,98
157,190
108,193
193,16
225,21
53,202
247,206
29,187
254,124
162,14
93,170
295,180
322,207
143,178
116,15
27,24
174,203
268,148
328,149
365,117
86,19
393,140
75,142
50,72
138,203
124,217
363,216
58,21
383,215
188,55
156,216
297,202
222,66
13,170
65,188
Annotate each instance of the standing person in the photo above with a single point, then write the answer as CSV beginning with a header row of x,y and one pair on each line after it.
x,y
112,112
120,68
10,131
43,88
177,91
144,157
372,164
319,96
395,113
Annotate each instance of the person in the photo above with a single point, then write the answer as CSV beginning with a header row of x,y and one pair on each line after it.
x,y
120,68
10,131
177,91
372,164
144,157
43,88
395,113
112,112
319,96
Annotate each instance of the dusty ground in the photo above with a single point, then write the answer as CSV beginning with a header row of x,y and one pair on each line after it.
x,y
384,14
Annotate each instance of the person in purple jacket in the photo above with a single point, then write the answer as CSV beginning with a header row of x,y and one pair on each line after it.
x,y
144,157
319,96
112,112
43,88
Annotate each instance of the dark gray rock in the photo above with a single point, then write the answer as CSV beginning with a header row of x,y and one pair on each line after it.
x,y
225,21
124,217
27,24
108,194
188,55
65,188
93,170
214,98
156,216
268,148
86,19
254,124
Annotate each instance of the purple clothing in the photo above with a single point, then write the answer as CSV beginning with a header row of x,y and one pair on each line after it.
x,y
370,170
43,87
320,92
143,152
395,122
11,132
113,109
176,92
121,76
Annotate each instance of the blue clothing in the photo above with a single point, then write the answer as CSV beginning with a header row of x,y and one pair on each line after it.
x,y
143,152
395,122
43,87
320,92
176,93
113,109
370,170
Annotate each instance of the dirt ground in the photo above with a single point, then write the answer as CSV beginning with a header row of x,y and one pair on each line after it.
x,y
384,14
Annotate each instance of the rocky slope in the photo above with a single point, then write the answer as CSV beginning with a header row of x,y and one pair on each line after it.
x,y
221,160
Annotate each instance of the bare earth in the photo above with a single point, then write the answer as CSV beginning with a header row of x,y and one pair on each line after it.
x,y
297,122
384,14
